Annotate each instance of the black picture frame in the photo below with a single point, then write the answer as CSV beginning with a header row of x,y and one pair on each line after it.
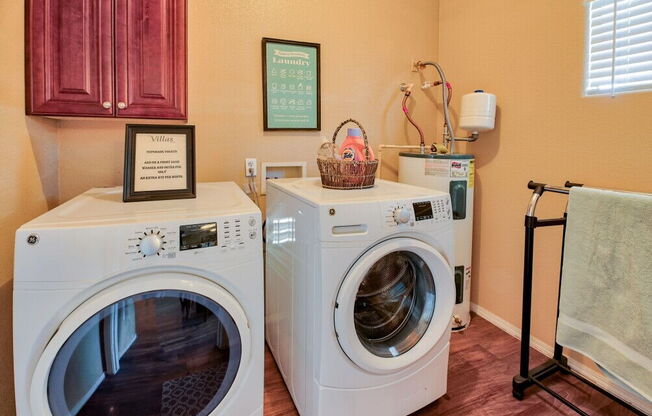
x,y
128,193
317,48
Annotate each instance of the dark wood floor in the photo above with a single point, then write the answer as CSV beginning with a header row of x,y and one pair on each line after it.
x,y
482,363
169,346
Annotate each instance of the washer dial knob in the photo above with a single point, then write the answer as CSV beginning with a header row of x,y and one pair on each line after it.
x,y
151,244
402,215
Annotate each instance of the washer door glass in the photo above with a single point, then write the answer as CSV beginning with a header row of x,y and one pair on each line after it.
x,y
394,304
166,352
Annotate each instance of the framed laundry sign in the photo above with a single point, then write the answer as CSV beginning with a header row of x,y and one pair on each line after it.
x,y
291,85
159,162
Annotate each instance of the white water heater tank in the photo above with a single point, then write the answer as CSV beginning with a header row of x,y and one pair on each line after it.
x,y
478,111
455,174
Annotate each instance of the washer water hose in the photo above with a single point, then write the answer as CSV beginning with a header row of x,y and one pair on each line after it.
x,y
449,136
422,140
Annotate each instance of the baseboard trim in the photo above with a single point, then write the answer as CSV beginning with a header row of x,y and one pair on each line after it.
x,y
547,350
82,401
129,344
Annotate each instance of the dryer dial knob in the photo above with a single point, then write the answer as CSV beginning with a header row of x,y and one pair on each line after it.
x,y
150,245
402,215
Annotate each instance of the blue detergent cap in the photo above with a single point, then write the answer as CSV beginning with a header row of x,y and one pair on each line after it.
x,y
355,132
478,91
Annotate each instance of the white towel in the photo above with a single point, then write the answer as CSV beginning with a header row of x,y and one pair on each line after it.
x,y
605,309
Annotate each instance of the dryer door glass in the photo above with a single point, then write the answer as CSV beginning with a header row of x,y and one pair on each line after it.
x,y
394,304
166,352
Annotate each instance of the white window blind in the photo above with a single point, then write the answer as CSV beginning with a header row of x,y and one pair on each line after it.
x,y
618,46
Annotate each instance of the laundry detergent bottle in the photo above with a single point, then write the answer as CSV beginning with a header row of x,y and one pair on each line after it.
x,y
353,147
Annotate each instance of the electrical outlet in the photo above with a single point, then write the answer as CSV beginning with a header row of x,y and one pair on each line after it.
x,y
250,167
415,66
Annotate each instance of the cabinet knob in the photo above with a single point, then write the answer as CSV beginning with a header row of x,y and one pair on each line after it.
x,y
122,105
106,104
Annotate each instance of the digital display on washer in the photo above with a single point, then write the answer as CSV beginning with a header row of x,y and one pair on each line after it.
x,y
422,210
197,236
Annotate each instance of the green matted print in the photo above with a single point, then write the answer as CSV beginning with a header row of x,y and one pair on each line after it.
x,y
291,85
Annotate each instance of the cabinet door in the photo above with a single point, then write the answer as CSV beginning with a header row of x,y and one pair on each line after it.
x,y
151,58
69,64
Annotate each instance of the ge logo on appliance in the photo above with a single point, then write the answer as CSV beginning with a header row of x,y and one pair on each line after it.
x,y
32,239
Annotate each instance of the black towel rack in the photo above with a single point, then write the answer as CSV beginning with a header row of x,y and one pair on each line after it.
x,y
558,363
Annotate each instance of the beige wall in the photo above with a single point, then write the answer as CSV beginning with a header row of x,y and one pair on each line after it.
x,y
366,50
530,54
367,47
28,178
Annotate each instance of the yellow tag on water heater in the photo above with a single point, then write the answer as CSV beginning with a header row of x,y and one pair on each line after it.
x,y
471,173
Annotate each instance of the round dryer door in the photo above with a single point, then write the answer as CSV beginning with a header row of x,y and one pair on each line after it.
x,y
164,344
394,305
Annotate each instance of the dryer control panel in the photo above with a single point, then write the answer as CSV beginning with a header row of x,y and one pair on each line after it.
x,y
221,235
414,213
152,241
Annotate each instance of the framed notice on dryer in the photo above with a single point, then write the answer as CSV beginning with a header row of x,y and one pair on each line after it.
x,y
159,162
291,85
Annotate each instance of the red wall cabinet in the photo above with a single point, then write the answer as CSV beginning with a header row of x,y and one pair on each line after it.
x,y
106,58
69,67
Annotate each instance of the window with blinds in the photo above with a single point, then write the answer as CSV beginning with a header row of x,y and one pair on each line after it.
x,y
618,46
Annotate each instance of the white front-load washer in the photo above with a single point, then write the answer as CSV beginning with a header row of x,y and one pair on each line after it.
x,y
143,308
359,295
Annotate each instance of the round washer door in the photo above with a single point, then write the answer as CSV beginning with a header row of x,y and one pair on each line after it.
x,y
394,305
156,344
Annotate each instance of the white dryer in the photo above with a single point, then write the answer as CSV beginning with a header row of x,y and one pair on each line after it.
x,y
359,295
144,308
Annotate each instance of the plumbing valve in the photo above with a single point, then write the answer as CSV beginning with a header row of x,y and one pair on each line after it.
x,y
430,84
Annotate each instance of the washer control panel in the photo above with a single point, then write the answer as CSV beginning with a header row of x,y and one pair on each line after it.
x,y
413,213
168,241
